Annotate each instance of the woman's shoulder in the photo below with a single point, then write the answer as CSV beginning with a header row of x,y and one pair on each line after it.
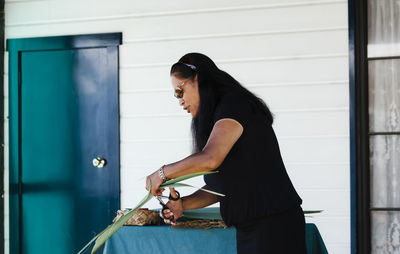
x,y
240,101
235,106
234,98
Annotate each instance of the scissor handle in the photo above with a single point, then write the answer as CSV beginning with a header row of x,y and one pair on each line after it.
x,y
174,199
164,206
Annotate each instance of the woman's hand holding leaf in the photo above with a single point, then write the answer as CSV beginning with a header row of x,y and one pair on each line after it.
x,y
156,181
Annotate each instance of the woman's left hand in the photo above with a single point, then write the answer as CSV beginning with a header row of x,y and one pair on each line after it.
x,y
175,210
156,181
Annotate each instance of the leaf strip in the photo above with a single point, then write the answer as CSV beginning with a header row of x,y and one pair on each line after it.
x,y
110,230
181,178
198,188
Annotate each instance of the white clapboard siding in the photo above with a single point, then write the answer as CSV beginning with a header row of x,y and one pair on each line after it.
x,y
278,97
64,10
192,22
306,124
291,53
330,175
328,122
248,71
300,43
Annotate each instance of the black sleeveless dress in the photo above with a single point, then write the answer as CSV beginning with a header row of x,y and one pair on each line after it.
x,y
260,200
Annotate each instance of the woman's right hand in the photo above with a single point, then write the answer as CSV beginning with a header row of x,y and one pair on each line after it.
x,y
175,208
155,181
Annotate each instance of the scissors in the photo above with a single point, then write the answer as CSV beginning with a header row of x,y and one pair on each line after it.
x,y
164,206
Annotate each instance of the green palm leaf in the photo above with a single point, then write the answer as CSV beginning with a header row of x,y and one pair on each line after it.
x,y
185,177
103,237
111,229
191,186
93,239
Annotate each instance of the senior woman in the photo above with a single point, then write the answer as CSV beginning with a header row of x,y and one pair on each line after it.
x,y
232,133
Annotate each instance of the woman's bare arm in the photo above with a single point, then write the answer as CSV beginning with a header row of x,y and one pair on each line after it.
x,y
223,136
198,199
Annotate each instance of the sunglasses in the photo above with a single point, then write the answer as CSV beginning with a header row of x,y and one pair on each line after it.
x,y
178,93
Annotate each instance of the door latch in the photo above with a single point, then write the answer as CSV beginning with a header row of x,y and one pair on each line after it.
x,y
99,162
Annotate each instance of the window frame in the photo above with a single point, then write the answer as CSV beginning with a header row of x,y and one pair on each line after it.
x,y
360,189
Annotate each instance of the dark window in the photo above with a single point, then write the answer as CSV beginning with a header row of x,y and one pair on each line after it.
x,y
374,37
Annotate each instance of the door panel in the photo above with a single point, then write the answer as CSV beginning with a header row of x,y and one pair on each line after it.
x,y
68,115
49,149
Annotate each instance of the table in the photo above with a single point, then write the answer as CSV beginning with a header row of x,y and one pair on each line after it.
x,y
166,240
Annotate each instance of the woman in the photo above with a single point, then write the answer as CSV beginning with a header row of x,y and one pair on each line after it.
x,y
232,133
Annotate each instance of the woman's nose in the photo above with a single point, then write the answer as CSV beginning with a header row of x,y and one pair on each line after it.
x,y
181,102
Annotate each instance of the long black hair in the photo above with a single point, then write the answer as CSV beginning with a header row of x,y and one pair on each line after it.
x,y
213,84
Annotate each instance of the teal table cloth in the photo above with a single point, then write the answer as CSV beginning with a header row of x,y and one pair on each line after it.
x,y
167,240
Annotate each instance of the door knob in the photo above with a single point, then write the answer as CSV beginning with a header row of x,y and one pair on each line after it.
x,y
99,162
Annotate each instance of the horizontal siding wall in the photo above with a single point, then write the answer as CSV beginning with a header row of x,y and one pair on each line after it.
x,y
293,54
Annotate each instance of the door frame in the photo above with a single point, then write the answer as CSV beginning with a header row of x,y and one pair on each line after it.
x,y
15,47
2,125
359,128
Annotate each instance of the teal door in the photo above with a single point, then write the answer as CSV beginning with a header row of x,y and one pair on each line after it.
x,y
64,125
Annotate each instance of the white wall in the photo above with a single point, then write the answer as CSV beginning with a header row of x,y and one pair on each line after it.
x,y
293,53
